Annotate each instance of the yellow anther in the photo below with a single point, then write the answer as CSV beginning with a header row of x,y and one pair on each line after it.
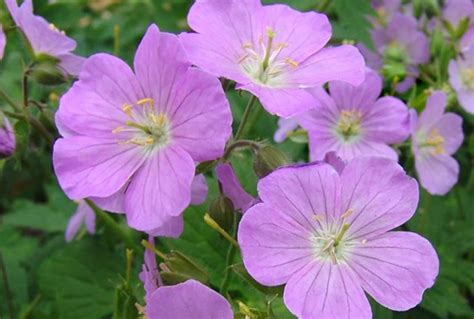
x,y
364,241
349,123
436,141
51,26
247,45
127,108
317,217
292,63
145,100
347,213
118,130
158,120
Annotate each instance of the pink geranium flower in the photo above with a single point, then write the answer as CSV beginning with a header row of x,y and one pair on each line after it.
x,y
130,140
272,51
435,137
353,120
83,215
44,38
327,237
3,42
190,300
461,78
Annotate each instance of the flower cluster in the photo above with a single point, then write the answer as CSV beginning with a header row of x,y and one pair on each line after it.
x,y
144,141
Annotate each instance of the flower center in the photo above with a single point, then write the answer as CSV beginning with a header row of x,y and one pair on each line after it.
x,y
331,243
395,52
146,127
264,64
467,77
434,142
348,126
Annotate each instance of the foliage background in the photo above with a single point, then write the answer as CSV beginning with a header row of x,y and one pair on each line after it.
x,y
43,277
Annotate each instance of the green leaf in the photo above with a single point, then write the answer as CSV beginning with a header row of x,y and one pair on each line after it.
x,y
80,278
51,216
352,21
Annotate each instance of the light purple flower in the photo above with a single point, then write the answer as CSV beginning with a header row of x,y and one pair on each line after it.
x,y
353,120
199,190
327,237
467,41
435,137
401,39
134,137
461,78
3,42
190,300
7,137
83,215
285,126
150,274
272,51
456,10
44,38
232,189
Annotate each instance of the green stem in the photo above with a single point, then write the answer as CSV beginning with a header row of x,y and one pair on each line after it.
x,y
245,117
229,260
31,307
6,287
113,226
239,144
214,225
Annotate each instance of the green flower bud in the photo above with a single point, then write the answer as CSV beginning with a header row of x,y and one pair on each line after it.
x,y
222,211
394,70
178,268
47,73
428,7
267,159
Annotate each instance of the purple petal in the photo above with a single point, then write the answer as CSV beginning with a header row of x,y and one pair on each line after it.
x,y
232,188
71,63
190,299
325,291
7,138
89,218
3,42
357,97
455,76
342,63
456,10
285,103
305,33
201,116
112,203
274,244
42,38
466,99
93,106
450,128
406,84
75,222
386,121
150,275
396,268
284,127
172,227
467,40
199,190
223,28
94,167
160,189
303,192
434,109
373,59
335,161
437,173
380,195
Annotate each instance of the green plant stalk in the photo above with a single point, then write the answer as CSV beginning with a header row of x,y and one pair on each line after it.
x,y
245,117
113,226
6,286
229,260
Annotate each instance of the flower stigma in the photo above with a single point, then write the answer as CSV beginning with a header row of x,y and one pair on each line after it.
x,y
434,141
146,126
331,242
348,126
265,63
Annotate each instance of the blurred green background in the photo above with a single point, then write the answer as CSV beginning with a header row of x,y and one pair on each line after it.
x,y
43,277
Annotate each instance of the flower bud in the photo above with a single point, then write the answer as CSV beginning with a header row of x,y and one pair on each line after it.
x,y
7,137
47,73
222,211
179,268
394,70
428,7
267,159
